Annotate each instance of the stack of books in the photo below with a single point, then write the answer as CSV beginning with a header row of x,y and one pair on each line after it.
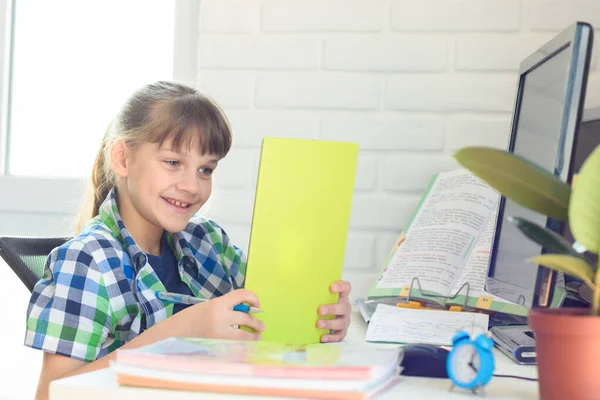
x,y
319,371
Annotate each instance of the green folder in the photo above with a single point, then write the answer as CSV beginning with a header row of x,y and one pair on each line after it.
x,y
299,231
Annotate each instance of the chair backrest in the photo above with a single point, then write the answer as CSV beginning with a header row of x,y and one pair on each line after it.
x,y
27,255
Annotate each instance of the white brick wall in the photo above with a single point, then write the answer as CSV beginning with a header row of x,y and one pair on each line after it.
x,y
456,15
421,54
318,15
550,15
409,81
318,90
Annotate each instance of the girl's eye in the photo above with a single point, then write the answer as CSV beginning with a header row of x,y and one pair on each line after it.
x,y
206,171
172,163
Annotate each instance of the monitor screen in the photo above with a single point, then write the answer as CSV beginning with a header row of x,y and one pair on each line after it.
x,y
540,133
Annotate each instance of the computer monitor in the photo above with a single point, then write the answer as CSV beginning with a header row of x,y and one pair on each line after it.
x,y
547,113
588,138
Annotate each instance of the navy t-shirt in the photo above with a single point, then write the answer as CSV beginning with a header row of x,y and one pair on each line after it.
x,y
165,267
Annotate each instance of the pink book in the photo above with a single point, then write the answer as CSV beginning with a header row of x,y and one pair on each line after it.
x,y
261,359
288,390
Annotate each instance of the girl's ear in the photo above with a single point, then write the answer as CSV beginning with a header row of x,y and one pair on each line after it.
x,y
119,157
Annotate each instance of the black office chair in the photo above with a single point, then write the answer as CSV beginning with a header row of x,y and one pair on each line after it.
x,y
27,255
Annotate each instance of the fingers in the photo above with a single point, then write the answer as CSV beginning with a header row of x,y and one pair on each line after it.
x,y
238,334
341,287
341,308
338,324
334,337
248,320
242,296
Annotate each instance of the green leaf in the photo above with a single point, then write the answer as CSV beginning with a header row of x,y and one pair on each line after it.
x,y
584,211
573,266
552,242
518,179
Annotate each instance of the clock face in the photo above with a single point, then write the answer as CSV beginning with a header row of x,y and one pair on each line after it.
x,y
465,364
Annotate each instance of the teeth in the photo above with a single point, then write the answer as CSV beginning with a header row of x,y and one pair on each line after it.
x,y
178,204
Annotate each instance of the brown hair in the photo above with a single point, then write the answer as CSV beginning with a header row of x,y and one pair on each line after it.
x,y
155,113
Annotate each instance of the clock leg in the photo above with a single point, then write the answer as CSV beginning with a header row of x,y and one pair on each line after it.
x,y
452,387
479,390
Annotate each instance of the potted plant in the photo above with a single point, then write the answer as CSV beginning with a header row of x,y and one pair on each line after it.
x,y
567,339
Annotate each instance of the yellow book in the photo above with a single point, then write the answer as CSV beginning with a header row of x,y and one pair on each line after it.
x,y
298,235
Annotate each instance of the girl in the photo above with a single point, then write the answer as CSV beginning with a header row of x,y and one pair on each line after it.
x,y
152,174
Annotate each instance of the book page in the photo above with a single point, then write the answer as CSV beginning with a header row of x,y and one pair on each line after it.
x,y
499,292
476,271
403,325
476,267
442,233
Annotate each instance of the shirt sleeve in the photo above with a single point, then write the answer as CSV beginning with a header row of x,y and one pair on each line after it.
x,y
232,258
69,311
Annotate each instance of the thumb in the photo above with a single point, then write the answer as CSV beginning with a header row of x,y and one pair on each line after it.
x,y
243,296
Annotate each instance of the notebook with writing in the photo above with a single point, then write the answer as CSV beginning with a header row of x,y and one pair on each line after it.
x,y
299,230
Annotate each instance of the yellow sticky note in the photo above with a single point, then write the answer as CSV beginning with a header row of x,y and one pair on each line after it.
x,y
484,302
299,231
404,292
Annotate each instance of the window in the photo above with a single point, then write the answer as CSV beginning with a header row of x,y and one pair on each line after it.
x,y
66,66
73,64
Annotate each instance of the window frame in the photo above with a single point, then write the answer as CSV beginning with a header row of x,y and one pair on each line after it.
x,y
51,195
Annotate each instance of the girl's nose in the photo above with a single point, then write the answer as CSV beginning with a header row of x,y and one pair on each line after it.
x,y
189,183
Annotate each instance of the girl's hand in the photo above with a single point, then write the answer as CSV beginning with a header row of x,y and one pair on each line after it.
x,y
217,319
339,326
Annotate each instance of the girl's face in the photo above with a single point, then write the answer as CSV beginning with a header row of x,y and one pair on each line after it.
x,y
166,187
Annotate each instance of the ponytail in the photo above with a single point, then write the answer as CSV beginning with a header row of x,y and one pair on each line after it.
x,y
100,184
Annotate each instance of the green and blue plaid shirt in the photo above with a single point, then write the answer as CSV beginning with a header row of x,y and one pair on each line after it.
x,y
98,289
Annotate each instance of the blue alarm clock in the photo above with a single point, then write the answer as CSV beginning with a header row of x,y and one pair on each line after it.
x,y
470,363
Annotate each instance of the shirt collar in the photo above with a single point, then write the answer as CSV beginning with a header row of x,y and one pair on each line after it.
x,y
108,214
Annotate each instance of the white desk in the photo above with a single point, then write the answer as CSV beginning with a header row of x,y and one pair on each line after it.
x,y
102,385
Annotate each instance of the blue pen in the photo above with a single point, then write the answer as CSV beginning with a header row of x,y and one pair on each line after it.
x,y
186,299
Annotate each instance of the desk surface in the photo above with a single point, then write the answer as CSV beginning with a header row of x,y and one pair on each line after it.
x,y
102,384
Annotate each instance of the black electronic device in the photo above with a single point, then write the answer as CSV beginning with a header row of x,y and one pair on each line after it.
x,y
425,360
546,118
517,342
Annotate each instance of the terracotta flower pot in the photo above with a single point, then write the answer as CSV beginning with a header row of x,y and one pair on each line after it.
x,y
567,344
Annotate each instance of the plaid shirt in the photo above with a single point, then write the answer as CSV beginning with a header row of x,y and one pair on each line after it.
x,y
98,289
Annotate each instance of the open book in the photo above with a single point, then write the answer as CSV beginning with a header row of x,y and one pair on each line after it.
x,y
446,246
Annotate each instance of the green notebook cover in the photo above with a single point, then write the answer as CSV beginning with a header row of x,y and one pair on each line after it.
x,y
299,231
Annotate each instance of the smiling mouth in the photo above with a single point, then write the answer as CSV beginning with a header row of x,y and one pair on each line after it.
x,y
177,203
